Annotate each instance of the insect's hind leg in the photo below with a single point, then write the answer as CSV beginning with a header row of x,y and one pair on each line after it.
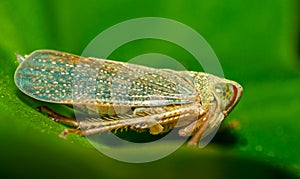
x,y
64,133
57,117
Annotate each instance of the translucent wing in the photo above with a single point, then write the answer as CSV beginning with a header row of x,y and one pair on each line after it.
x,y
58,77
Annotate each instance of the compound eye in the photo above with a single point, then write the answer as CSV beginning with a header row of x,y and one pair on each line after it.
x,y
226,94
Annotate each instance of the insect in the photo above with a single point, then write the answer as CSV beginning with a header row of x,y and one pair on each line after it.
x,y
121,95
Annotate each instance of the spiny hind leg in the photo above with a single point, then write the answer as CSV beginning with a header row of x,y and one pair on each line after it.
x,y
77,131
85,127
89,126
99,125
72,122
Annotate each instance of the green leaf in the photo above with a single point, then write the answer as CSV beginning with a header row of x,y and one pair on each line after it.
x,y
255,43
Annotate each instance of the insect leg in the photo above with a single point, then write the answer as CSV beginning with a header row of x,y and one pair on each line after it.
x,y
57,117
99,125
94,126
195,129
64,133
197,122
196,137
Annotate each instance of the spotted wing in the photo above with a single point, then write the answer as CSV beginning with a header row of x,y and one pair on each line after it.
x,y
58,77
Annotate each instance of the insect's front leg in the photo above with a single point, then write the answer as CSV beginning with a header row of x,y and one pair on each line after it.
x,y
201,124
196,128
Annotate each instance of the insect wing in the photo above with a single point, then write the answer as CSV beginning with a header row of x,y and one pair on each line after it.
x,y
58,77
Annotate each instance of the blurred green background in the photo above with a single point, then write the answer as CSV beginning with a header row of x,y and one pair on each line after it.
x,y
255,41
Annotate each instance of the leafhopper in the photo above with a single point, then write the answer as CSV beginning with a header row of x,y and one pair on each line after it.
x,y
120,95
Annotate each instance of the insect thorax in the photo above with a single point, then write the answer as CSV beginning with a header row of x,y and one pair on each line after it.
x,y
203,85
